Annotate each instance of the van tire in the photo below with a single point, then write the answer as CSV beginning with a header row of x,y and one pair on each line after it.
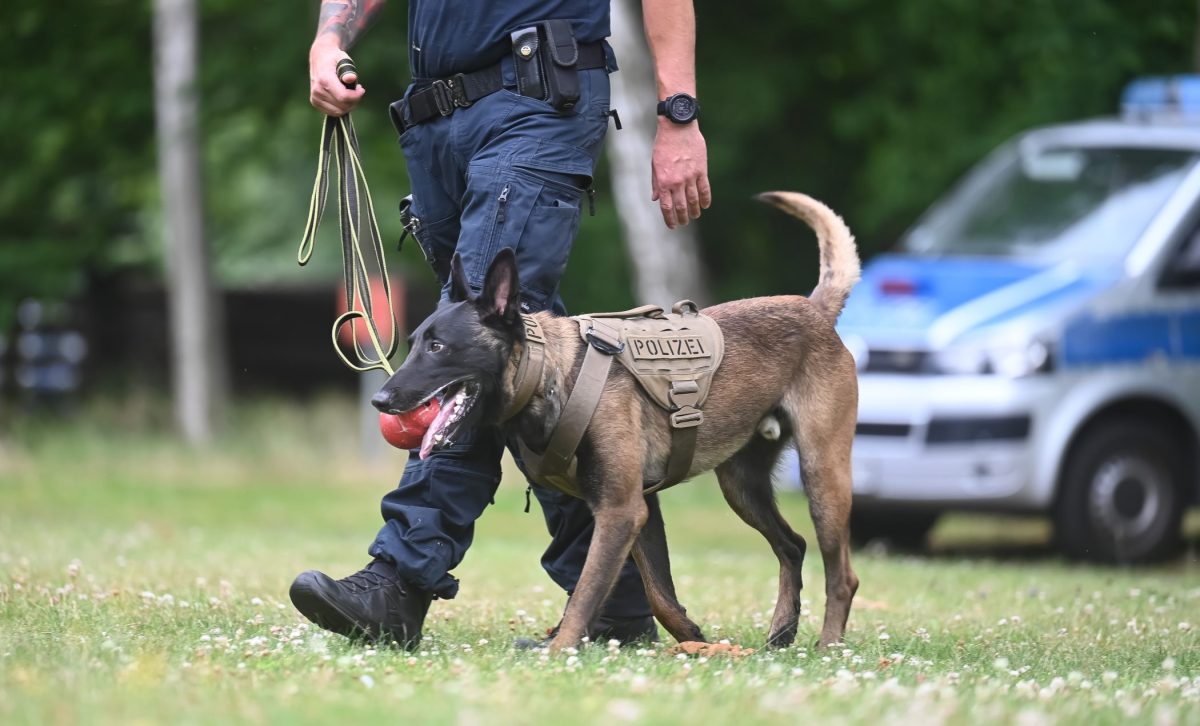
x,y
904,530
1121,498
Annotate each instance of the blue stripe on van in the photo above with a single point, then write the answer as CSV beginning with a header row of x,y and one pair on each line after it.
x,y
1132,338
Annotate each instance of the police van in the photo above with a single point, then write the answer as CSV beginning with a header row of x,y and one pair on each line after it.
x,y
1034,343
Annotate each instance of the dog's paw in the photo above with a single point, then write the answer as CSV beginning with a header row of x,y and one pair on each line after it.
x,y
769,428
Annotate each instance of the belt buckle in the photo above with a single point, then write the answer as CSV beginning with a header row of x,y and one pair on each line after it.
x,y
449,94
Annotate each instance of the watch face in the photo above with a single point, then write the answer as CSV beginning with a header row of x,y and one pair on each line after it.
x,y
682,108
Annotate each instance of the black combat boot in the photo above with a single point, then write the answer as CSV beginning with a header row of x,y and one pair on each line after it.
x,y
372,605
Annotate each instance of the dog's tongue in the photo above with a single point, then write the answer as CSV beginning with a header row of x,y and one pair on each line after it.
x,y
438,424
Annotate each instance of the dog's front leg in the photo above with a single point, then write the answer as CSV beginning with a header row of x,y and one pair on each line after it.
x,y
617,525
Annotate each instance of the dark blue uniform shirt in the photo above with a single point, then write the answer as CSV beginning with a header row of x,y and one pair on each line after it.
x,y
455,36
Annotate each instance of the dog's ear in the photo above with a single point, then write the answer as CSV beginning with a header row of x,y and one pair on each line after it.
x,y
459,289
501,289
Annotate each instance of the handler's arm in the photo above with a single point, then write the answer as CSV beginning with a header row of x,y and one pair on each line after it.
x,y
341,24
679,168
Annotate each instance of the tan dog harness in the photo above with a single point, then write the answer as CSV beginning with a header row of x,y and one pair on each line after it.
x,y
673,357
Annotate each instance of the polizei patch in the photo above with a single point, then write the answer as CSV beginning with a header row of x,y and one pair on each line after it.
x,y
667,347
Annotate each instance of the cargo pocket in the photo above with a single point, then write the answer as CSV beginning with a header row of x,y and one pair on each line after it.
x,y
548,235
534,212
544,249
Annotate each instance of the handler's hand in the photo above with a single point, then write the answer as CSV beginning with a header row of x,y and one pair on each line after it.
x,y
679,172
327,94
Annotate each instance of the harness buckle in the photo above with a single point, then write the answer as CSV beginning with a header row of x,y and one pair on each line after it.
x,y
604,342
684,394
686,418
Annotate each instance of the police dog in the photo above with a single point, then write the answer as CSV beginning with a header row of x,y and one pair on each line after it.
x,y
785,373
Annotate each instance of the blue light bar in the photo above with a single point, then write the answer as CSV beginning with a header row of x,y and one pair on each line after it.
x,y
1162,97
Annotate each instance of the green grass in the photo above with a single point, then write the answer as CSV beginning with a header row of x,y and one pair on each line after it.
x,y
144,582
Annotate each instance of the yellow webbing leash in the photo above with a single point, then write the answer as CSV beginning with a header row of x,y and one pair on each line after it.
x,y
339,152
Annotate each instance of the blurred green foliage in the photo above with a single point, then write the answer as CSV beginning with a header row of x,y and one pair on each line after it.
x,y
874,107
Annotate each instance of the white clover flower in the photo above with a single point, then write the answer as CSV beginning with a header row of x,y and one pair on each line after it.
x,y
366,680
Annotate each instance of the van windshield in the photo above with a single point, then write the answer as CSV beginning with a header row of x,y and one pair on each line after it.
x,y
1051,204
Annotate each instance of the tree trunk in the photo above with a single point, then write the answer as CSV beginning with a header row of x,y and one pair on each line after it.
x,y
1196,41
197,343
666,263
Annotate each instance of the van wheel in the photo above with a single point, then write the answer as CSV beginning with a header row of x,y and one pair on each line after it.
x,y
905,530
1121,494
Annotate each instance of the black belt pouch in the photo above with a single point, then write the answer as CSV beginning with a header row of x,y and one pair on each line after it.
x,y
527,59
560,55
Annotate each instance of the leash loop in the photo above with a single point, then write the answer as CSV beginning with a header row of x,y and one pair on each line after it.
x,y
339,153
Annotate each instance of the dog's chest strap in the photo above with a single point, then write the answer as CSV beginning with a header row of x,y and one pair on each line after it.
x,y
672,356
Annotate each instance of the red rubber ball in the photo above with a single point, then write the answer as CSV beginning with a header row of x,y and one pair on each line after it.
x,y
405,430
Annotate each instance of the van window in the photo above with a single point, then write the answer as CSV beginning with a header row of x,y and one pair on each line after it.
x,y
1183,270
1048,205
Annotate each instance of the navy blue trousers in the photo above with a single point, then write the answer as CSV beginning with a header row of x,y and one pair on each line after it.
x,y
508,171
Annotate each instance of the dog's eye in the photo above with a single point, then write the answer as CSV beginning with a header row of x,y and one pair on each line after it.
x,y
435,346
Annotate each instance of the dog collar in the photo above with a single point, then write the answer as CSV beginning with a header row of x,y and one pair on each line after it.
x,y
529,369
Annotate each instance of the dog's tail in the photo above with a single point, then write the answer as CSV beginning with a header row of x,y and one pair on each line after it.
x,y
840,268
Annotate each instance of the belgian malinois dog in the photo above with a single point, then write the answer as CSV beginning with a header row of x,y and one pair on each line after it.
x,y
785,373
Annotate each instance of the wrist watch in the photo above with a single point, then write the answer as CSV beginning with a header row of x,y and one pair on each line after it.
x,y
680,108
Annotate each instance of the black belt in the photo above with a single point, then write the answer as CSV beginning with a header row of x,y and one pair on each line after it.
x,y
460,90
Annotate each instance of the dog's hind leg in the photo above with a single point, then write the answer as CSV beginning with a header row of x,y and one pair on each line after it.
x,y
746,483
824,435
654,564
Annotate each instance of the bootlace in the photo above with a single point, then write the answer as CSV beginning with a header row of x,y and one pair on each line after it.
x,y
368,579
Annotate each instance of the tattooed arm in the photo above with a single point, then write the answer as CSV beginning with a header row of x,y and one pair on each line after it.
x,y
341,24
